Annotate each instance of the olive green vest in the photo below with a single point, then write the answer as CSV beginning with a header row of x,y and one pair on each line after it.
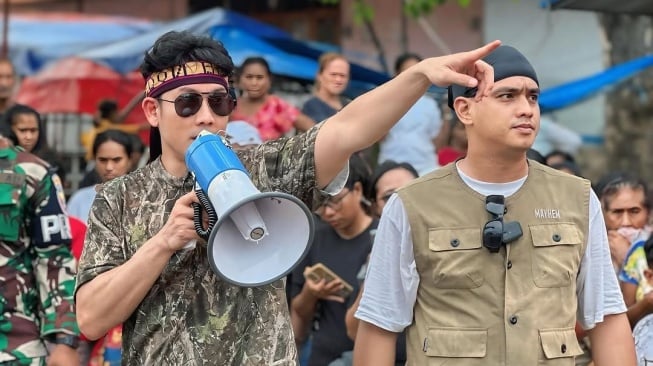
x,y
516,307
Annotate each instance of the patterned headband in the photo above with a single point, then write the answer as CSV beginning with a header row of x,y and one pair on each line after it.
x,y
194,72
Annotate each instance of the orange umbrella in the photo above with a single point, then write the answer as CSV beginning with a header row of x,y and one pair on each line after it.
x,y
76,85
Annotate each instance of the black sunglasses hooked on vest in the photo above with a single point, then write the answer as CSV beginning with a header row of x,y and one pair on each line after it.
x,y
495,232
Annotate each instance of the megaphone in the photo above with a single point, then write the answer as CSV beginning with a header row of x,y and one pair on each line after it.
x,y
258,237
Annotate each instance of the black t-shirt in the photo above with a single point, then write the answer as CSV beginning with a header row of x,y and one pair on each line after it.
x,y
344,257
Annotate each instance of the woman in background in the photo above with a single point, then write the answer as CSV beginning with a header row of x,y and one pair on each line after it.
x,y
112,150
271,115
330,82
25,128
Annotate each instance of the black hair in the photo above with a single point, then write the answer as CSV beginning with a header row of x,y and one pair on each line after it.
x,y
11,117
535,155
106,107
648,250
137,144
177,48
399,62
116,136
359,171
565,155
611,183
385,167
257,60
570,165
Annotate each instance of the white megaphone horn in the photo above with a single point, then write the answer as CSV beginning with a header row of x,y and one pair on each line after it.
x,y
258,237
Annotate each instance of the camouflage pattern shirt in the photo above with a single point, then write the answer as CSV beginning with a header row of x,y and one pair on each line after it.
x,y
37,271
190,316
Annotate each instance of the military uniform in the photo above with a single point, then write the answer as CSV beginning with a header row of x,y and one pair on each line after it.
x,y
37,268
190,316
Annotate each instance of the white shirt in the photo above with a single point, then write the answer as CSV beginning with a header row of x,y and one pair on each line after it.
x,y
392,280
410,140
79,204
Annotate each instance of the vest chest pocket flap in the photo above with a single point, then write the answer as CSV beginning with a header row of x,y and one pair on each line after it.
x,y
457,261
556,254
456,343
559,344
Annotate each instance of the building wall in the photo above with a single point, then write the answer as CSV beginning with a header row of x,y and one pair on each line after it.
x,y
563,45
153,10
459,28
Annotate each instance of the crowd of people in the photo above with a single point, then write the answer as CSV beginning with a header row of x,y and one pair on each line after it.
x,y
466,238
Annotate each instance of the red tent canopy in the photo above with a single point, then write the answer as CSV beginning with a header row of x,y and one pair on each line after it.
x,y
75,85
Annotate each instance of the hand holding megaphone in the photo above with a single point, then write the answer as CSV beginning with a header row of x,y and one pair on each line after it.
x,y
179,230
258,237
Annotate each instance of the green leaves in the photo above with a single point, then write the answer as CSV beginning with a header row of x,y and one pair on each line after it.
x,y
363,12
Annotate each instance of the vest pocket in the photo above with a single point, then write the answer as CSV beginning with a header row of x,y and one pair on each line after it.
x,y
457,261
556,254
559,347
456,343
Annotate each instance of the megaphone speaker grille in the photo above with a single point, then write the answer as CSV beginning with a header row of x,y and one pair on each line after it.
x,y
251,263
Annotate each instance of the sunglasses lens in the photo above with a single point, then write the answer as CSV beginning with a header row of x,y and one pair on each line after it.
x,y
222,104
188,104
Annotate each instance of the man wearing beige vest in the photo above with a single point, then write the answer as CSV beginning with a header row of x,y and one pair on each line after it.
x,y
492,259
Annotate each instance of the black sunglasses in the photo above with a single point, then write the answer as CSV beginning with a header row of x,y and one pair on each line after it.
x,y
187,104
495,233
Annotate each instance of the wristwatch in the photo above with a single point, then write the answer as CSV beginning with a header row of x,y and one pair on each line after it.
x,y
69,340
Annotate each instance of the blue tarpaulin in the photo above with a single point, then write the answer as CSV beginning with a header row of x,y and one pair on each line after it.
x,y
564,95
242,36
35,40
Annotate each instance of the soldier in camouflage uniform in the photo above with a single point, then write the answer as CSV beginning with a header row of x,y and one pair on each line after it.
x,y
175,309
37,269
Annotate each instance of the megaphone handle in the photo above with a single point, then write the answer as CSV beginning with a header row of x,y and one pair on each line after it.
x,y
197,214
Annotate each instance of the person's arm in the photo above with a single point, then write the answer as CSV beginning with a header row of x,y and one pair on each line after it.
x,y
303,122
370,116
640,309
374,346
612,342
136,100
351,322
109,298
53,268
601,308
629,291
303,305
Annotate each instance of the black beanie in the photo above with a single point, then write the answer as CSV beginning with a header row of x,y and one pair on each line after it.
x,y
507,62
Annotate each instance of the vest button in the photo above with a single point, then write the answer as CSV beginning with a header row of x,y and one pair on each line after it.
x,y
455,242
563,348
556,237
509,265
513,320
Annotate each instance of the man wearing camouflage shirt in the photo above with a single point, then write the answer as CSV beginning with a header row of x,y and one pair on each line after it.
x,y
37,269
175,310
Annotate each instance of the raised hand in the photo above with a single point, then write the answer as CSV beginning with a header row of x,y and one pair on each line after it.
x,y
463,68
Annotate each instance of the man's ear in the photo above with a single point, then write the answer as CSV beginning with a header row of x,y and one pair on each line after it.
x,y
151,110
463,108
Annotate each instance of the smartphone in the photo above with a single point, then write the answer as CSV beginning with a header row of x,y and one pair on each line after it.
x,y
319,271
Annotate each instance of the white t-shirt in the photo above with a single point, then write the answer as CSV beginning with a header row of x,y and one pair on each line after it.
x,y
410,140
391,283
